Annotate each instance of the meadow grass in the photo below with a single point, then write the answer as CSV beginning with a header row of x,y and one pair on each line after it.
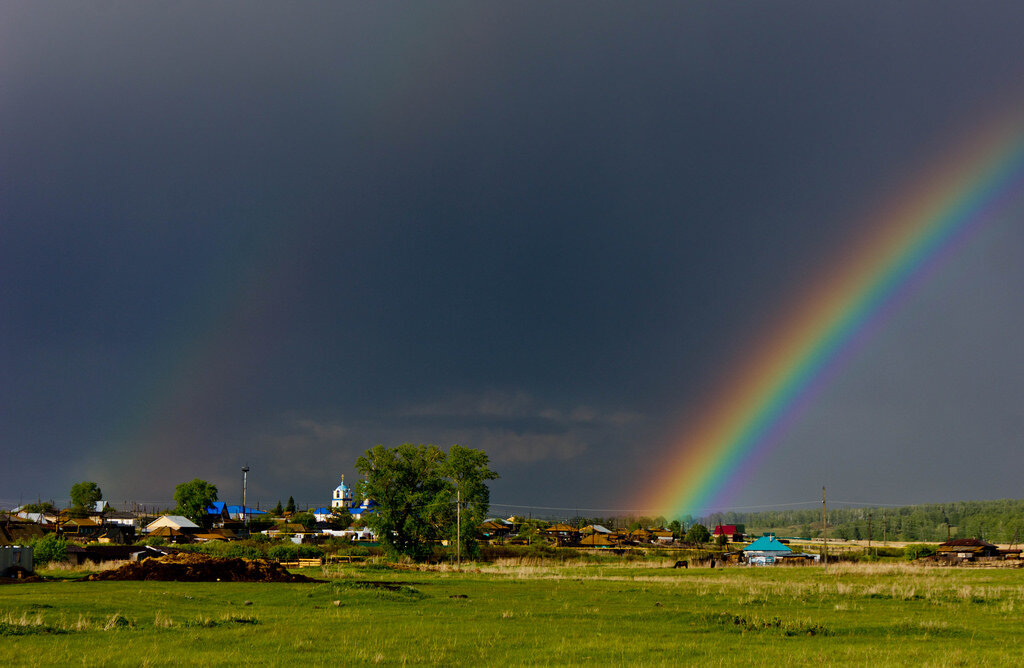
x,y
528,613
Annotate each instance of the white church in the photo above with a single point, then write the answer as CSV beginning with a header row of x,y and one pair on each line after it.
x,y
342,497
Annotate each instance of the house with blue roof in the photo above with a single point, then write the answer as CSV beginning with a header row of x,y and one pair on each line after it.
x,y
241,512
217,509
765,550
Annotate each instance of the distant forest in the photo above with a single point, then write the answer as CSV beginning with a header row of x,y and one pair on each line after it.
x,y
996,521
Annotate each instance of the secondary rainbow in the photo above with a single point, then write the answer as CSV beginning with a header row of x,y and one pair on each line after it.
x,y
761,398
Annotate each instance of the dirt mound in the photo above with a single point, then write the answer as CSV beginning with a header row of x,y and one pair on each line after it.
x,y
189,567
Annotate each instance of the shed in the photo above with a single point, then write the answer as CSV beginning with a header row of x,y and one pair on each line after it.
x,y
967,549
14,560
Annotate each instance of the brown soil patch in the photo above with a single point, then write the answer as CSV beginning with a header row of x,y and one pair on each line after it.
x,y
189,567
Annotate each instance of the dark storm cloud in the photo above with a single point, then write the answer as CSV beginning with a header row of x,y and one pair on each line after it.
x,y
392,218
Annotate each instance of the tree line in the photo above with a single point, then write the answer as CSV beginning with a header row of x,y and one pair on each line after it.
x,y
1000,521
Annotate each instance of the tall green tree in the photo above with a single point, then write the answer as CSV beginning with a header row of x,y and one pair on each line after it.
x,y
415,488
676,527
85,494
468,470
290,508
408,485
193,498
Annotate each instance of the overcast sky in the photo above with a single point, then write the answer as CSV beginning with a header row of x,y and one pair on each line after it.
x,y
282,233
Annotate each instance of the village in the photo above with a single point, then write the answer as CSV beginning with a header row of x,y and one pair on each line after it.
x,y
101,534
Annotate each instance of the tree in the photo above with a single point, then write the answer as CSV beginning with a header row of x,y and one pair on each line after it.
x,y
530,530
290,508
676,527
50,547
41,507
341,518
721,540
469,472
415,488
698,534
308,520
193,498
85,494
277,510
411,493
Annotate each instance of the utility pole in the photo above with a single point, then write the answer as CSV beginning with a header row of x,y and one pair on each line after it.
x,y
245,480
458,529
824,529
869,533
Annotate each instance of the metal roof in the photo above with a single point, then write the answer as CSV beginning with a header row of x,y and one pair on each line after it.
x,y
766,544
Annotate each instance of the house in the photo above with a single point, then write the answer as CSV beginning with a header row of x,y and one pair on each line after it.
x,y
116,533
243,512
122,518
596,528
322,514
597,539
662,536
495,529
17,531
285,529
96,510
217,513
734,532
82,529
171,535
562,534
765,550
182,525
641,535
966,549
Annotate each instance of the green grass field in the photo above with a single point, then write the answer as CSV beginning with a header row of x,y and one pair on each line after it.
x,y
529,614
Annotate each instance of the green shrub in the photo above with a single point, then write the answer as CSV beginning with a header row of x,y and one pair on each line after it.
x,y
288,552
50,547
918,551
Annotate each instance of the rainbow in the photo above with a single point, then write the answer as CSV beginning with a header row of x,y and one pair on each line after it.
x,y
763,396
